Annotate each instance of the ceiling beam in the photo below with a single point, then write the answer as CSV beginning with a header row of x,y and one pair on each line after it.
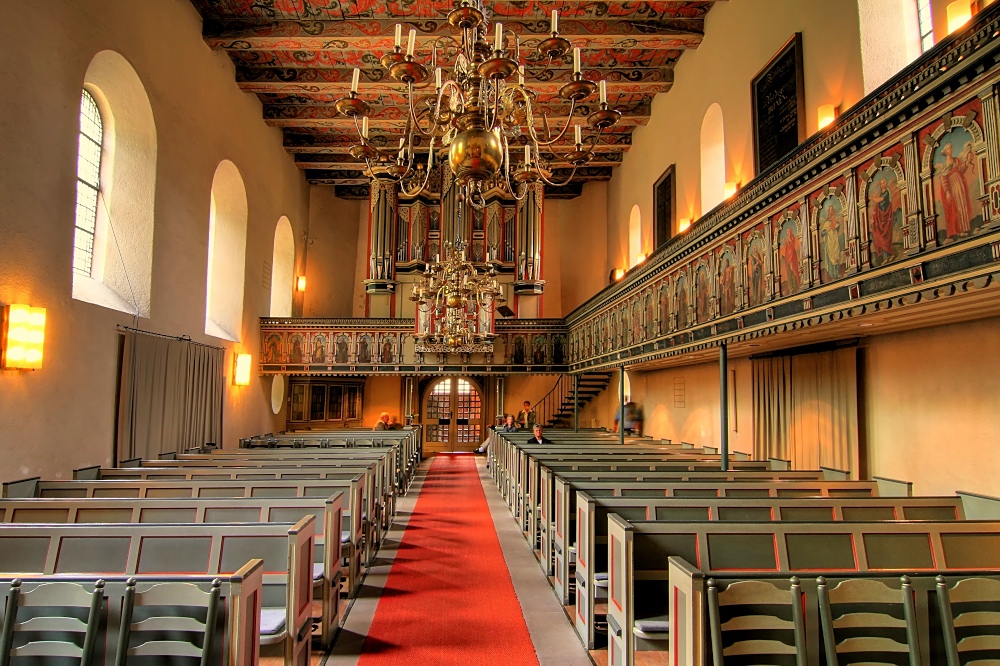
x,y
349,163
340,143
323,176
603,32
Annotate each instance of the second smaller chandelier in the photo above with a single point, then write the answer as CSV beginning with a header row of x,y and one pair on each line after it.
x,y
478,110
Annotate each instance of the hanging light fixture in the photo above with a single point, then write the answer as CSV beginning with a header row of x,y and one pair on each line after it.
x,y
455,299
478,109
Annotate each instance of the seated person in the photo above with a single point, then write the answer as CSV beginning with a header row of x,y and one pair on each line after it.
x,y
537,437
526,417
383,421
508,426
394,423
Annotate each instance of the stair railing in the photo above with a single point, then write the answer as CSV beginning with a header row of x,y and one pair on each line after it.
x,y
547,409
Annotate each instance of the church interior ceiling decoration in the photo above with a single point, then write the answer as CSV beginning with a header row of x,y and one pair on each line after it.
x,y
298,57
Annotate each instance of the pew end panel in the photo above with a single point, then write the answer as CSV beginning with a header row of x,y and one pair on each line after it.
x,y
22,488
980,507
620,610
893,487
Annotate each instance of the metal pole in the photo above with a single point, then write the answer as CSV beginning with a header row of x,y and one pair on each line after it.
x,y
576,403
724,406
621,405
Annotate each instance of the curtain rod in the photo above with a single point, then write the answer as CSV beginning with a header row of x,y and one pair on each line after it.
x,y
179,338
809,349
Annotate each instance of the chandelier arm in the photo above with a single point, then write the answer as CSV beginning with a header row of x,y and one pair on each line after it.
x,y
530,113
427,175
506,174
566,182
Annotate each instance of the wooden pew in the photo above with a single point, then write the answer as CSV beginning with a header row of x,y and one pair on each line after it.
x,y
379,470
370,501
183,550
327,570
657,570
565,510
592,526
359,547
237,635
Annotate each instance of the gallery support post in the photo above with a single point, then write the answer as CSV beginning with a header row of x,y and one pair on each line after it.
x,y
621,405
724,407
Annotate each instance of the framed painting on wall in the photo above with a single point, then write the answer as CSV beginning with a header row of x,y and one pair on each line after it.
x,y
778,102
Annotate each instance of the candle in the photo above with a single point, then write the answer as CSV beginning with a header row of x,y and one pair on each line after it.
x,y
364,127
430,160
498,39
520,75
355,80
555,21
411,41
527,154
576,60
603,87
578,133
437,78
399,35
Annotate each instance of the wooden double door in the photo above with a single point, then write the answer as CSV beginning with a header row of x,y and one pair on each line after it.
x,y
453,415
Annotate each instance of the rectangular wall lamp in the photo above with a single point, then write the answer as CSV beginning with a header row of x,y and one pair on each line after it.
x,y
959,13
241,375
300,283
23,337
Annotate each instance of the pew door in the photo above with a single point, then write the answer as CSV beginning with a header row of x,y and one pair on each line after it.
x,y
453,416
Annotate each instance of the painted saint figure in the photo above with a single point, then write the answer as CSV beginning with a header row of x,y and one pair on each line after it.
x,y
756,266
789,256
832,236
955,198
882,215
341,356
319,349
727,287
364,350
386,351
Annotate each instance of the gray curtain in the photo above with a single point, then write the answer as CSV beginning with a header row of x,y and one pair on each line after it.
x,y
171,395
806,409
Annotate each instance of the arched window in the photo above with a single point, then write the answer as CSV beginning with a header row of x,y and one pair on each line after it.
x,y
634,236
713,159
282,269
227,242
116,183
88,184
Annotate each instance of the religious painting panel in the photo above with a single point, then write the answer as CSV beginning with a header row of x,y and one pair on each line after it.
x,y
664,307
365,344
387,349
518,354
320,345
882,187
342,354
830,209
558,349
296,348
728,288
757,267
272,348
789,233
635,319
954,154
702,293
650,315
538,350
681,301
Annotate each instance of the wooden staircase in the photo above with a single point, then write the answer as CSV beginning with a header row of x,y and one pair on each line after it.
x,y
555,410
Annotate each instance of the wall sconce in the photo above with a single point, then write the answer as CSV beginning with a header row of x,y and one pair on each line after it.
x,y
826,114
959,13
641,258
241,374
729,191
23,337
300,283
619,274
684,224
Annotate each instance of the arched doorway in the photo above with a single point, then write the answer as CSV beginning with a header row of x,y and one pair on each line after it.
x,y
453,415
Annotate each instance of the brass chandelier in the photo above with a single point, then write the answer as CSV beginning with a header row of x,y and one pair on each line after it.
x,y
478,109
452,296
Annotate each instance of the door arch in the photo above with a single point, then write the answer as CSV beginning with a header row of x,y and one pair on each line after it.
x,y
453,415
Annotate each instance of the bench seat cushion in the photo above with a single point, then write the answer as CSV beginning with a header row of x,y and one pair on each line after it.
x,y
317,571
653,627
601,579
272,621
345,537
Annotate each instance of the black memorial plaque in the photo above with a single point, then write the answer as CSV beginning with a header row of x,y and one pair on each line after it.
x,y
778,95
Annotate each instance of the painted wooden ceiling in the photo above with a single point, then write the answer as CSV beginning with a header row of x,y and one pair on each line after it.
x,y
297,56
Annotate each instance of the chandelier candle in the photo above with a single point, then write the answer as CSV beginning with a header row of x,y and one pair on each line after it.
x,y
602,87
498,39
399,35
411,41
576,59
355,80
555,22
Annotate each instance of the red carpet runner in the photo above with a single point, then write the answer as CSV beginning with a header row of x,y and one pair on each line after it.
x,y
448,598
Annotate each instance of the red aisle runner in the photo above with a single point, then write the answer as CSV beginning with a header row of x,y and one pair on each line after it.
x,y
448,598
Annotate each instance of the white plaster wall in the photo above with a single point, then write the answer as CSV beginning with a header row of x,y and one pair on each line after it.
x,y
890,38
334,240
575,248
63,416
